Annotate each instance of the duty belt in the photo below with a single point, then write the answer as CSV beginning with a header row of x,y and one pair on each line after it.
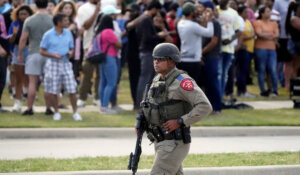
x,y
158,134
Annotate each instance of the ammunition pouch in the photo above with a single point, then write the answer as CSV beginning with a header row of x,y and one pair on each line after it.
x,y
158,134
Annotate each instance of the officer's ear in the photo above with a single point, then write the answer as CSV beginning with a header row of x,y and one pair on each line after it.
x,y
171,62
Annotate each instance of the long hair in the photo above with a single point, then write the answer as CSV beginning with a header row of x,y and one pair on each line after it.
x,y
15,13
261,10
106,22
60,6
292,8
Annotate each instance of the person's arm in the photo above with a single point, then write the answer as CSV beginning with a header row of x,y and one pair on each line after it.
x,y
22,45
260,33
204,31
276,32
70,53
148,35
88,23
14,32
295,22
2,52
132,24
45,53
198,100
3,27
118,45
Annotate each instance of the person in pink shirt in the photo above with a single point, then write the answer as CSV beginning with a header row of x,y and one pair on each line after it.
x,y
109,69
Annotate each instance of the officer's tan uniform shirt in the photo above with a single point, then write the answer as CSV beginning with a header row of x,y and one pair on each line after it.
x,y
196,98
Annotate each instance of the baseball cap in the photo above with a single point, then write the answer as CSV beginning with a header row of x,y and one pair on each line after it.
x,y
110,9
188,8
207,3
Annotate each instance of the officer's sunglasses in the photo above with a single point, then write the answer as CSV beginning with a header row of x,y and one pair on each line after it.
x,y
160,59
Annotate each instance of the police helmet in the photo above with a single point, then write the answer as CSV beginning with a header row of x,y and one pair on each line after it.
x,y
167,50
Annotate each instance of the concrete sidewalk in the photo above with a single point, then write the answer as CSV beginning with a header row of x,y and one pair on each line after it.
x,y
129,107
21,133
242,170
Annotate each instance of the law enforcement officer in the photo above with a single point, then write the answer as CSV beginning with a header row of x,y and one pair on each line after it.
x,y
173,103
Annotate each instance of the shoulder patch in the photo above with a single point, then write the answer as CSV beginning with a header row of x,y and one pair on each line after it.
x,y
187,84
179,77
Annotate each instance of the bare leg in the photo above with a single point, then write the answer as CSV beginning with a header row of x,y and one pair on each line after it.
x,y
73,100
32,86
19,71
53,101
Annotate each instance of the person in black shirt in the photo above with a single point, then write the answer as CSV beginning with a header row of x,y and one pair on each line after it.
x,y
148,38
132,54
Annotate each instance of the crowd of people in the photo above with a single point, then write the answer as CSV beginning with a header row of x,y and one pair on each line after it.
x,y
46,42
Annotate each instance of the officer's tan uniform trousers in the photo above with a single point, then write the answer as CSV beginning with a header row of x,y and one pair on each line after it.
x,y
169,155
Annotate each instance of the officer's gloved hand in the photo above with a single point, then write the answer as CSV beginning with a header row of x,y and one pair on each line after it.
x,y
171,125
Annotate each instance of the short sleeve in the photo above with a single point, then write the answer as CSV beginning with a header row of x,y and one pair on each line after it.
x,y
71,40
26,26
44,42
217,29
109,36
236,22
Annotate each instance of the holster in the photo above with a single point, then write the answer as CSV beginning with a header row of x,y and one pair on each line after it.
x,y
158,134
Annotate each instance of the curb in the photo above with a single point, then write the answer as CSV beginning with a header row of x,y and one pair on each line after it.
x,y
240,170
18,133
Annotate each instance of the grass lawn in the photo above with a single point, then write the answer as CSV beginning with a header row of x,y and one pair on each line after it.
x,y
277,117
120,163
124,95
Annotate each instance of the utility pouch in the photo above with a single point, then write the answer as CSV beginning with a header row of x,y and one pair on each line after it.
x,y
178,134
186,132
151,137
157,134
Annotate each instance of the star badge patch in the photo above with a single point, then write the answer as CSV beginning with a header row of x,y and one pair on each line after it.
x,y
187,84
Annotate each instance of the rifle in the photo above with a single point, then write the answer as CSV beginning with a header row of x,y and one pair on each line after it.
x,y
141,126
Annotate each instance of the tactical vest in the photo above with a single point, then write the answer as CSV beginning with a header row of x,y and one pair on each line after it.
x,y
160,108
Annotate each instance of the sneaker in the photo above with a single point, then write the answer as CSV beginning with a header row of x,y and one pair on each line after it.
x,y
216,113
96,102
248,95
49,112
90,95
117,108
13,96
80,103
264,94
17,106
106,110
3,110
274,94
28,112
77,117
56,116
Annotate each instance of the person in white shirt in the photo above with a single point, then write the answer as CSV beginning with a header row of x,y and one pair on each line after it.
x,y
229,20
87,16
191,33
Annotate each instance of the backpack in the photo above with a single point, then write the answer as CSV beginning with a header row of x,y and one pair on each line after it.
x,y
95,53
